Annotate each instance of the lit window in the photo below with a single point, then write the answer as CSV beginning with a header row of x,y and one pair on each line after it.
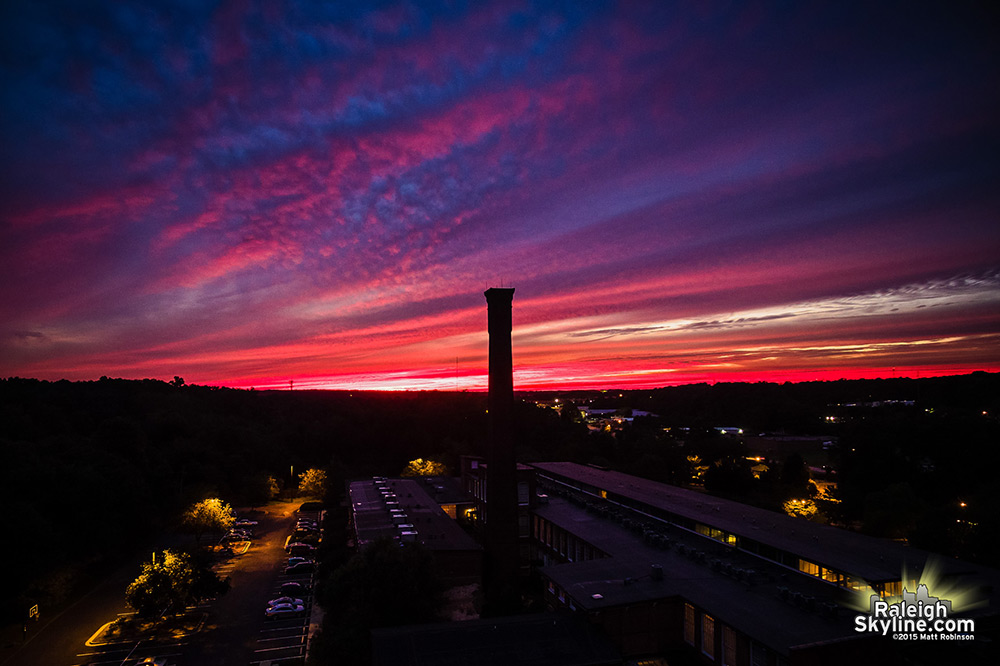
x,y
728,646
689,624
708,635
858,584
805,566
893,589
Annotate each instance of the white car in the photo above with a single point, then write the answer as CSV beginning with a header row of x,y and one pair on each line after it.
x,y
285,600
300,568
284,610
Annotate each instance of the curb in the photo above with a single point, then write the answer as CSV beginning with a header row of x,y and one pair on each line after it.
x,y
91,642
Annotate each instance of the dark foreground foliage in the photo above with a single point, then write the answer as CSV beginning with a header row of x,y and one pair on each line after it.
x,y
89,471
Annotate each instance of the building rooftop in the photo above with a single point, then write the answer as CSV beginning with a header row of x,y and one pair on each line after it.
x,y
445,489
751,605
866,557
418,513
775,604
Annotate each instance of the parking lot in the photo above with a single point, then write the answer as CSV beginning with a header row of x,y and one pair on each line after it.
x,y
233,629
283,638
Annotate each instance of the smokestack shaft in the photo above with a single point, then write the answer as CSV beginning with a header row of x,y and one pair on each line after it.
x,y
501,479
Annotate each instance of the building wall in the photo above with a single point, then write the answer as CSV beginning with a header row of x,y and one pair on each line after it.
x,y
552,544
474,482
641,629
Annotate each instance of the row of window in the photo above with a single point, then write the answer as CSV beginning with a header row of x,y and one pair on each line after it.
x,y
567,545
700,632
706,641
476,486
889,589
717,534
644,509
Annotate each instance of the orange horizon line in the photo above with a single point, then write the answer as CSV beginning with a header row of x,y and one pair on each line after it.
x,y
803,377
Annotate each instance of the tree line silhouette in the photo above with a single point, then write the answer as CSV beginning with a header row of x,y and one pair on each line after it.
x,y
93,469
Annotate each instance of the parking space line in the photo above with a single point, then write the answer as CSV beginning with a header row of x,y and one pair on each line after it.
x,y
292,628
276,649
300,639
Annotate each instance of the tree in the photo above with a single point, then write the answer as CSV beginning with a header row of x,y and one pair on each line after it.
x,y
312,482
421,467
731,476
173,580
387,569
259,489
894,512
386,584
208,515
795,476
802,508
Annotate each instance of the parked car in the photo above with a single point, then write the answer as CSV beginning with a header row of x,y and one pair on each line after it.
x,y
306,536
300,549
292,561
245,522
301,568
152,661
285,600
294,589
284,610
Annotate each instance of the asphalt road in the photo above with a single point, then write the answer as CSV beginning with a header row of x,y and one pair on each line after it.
x,y
233,624
232,636
57,640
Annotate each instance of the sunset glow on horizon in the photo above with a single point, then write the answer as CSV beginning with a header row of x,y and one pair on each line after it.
x,y
296,194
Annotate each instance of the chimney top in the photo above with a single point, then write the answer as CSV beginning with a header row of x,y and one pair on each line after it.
x,y
498,293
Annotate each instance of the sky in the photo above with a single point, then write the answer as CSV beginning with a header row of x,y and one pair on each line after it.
x,y
314,194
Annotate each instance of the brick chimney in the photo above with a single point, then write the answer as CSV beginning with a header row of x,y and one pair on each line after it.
x,y
502,594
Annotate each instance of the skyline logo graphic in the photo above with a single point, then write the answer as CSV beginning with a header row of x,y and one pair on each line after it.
x,y
915,616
